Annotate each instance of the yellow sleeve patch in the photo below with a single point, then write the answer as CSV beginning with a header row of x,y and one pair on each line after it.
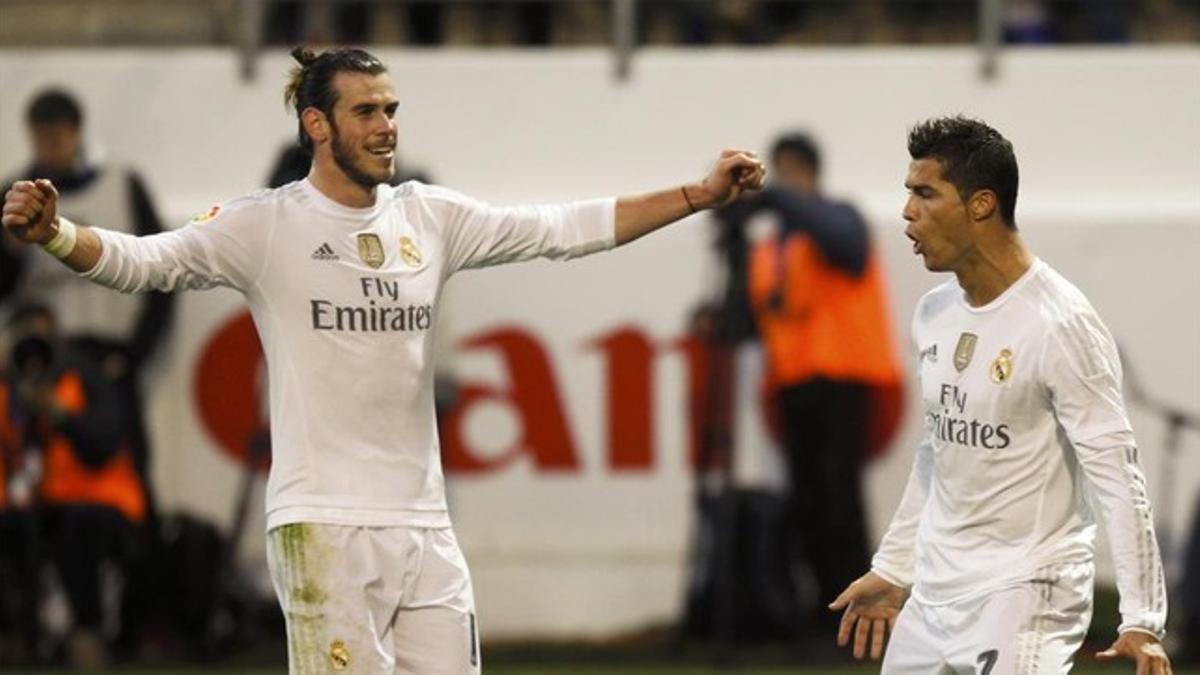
x,y
206,216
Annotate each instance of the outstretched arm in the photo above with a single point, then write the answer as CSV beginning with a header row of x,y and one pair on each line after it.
x,y
479,235
735,172
228,249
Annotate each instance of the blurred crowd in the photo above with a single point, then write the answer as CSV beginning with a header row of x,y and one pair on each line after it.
x,y
89,565
702,22
535,23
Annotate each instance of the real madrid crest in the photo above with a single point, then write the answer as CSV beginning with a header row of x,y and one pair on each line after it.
x,y
370,249
339,656
964,351
1002,367
409,252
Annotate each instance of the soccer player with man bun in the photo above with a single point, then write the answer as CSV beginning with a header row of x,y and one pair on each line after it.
x,y
343,275
1025,430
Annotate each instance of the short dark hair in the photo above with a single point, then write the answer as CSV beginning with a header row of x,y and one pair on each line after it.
x,y
310,84
973,155
801,145
52,106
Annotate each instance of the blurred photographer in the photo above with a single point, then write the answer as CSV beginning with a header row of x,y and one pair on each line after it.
x,y
19,554
124,333
70,466
818,296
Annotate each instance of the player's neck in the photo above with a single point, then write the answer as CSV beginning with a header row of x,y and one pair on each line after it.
x,y
332,182
996,263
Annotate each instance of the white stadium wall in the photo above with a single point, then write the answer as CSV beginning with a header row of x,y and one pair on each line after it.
x,y
590,544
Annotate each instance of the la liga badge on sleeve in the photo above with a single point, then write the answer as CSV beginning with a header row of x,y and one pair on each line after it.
x,y
206,216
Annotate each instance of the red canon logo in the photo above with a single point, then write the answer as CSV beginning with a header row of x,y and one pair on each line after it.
x,y
230,394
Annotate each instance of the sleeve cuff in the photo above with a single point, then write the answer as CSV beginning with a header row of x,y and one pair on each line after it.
x,y
105,252
893,579
1158,635
609,206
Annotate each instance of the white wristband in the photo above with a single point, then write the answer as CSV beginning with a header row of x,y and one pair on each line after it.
x,y
64,242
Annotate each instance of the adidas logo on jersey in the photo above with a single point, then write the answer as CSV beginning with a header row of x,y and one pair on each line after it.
x,y
325,253
930,353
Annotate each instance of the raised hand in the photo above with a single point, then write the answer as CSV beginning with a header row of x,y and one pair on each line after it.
x,y
734,173
31,211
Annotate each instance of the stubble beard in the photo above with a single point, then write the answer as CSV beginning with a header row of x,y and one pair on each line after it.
x,y
343,156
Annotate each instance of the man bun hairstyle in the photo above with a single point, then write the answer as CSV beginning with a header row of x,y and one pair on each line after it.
x,y
974,157
310,82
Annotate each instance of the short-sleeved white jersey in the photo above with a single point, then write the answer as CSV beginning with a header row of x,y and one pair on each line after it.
x,y
344,301
1024,428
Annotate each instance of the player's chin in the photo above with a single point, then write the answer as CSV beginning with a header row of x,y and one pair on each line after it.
x,y
932,264
386,169
381,174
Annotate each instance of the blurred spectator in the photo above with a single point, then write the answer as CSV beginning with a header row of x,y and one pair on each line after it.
x,y
533,20
1092,21
425,23
292,165
291,22
1027,22
61,423
816,289
120,332
19,552
688,22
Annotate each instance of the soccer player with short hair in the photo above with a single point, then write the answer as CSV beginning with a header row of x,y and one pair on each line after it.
x,y
1025,431
343,275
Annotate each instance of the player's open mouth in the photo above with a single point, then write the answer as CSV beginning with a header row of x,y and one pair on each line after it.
x,y
916,245
382,152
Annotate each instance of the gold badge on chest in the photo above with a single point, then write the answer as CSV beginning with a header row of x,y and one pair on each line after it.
x,y
409,252
964,351
370,249
1002,367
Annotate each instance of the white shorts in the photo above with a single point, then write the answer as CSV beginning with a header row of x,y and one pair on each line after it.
x,y
374,600
1029,629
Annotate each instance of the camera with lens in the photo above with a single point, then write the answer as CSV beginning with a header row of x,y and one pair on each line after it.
x,y
31,359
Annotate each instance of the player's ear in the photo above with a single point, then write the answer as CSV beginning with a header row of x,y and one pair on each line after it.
x,y
315,125
981,205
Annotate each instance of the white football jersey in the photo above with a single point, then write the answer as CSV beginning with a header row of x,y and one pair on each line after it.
x,y
1025,429
344,301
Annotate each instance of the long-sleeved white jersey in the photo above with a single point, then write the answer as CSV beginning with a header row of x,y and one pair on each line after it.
x,y
1025,433
344,301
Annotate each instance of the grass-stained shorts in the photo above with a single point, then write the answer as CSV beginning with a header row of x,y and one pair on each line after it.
x,y
374,600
